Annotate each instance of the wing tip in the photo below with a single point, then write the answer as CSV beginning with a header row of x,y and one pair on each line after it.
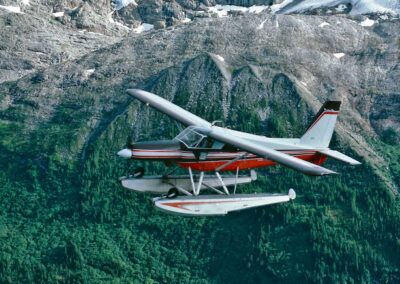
x,y
292,194
321,171
133,92
329,172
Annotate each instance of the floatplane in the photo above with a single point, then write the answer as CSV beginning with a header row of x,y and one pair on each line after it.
x,y
206,150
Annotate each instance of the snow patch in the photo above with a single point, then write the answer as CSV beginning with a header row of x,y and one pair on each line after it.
x,y
94,33
257,9
261,26
275,8
25,2
186,20
119,4
303,83
339,55
222,10
88,72
143,28
359,7
222,66
375,6
58,14
367,23
12,9
220,58
323,24
140,29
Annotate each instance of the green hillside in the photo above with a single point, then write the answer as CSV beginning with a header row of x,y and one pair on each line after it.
x,y
68,220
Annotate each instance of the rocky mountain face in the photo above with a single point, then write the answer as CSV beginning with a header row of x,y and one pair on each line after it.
x,y
64,114
71,29
361,69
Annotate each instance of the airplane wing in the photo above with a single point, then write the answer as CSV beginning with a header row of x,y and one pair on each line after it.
x,y
220,134
168,108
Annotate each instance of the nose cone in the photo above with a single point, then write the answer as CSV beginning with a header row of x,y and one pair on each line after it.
x,y
125,153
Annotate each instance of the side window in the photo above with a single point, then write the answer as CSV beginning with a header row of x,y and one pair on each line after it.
x,y
193,139
217,145
206,143
190,137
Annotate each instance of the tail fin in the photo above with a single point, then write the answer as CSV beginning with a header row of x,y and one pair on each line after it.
x,y
319,133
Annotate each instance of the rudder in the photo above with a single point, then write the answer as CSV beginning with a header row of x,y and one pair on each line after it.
x,y
320,131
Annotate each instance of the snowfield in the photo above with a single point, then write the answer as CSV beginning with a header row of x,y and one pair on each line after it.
x,y
367,23
359,7
12,9
222,10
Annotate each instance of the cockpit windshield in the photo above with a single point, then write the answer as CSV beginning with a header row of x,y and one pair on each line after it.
x,y
190,137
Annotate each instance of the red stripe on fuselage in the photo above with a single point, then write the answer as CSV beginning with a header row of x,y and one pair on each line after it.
x,y
186,159
246,163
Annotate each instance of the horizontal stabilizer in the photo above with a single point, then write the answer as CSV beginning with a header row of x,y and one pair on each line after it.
x,y
339,156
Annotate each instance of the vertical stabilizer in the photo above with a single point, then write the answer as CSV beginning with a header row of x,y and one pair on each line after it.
x,y
319,133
